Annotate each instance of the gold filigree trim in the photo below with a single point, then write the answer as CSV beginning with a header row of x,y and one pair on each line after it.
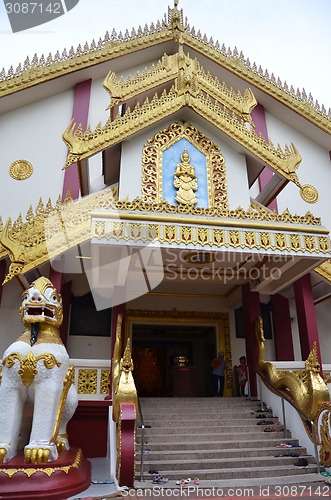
x,y
210,234
84,144
105,382
236,63
20,170
67,383
44,69
139,205
309,193
28,365
324,270
323,433
29,471
124,389
87,381
189,75
51,230
152,163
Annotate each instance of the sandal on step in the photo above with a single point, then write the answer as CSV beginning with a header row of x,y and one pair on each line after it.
x,y
153,471
180,482
196,480
160,480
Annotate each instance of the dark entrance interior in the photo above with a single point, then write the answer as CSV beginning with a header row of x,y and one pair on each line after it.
x,y
173,360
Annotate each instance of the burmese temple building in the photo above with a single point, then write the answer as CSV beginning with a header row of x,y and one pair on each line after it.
x,y
177,197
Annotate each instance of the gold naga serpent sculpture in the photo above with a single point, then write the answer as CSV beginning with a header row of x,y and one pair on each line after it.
x,y
306,389
124,392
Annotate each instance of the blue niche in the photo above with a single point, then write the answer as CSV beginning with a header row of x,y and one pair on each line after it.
x,y
170,158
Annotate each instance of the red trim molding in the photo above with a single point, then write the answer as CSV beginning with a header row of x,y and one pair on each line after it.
x,y
252,310
88,428
281,321
127,443
62,478
80,115
306,314
258,117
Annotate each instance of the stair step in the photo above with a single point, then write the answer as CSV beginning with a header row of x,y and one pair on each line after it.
x,y
211,429
221,463
239,453
206,422
235,473
216,444
215,439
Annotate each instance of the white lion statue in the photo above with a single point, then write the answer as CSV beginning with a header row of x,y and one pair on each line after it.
x,y
37,393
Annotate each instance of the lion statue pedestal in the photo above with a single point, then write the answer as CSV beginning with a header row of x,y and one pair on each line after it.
x,y
37,399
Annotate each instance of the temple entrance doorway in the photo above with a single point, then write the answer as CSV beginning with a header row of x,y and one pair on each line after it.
x,y
173,359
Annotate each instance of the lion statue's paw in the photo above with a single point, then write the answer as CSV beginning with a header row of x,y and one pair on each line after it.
x,y
5,452
37,454
62,442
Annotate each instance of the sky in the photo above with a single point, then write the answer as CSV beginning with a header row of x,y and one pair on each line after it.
x,y
290,38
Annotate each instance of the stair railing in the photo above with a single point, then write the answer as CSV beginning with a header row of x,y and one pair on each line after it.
x,y
304,416
142,441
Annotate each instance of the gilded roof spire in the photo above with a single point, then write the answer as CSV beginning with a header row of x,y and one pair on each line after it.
x,y
175,18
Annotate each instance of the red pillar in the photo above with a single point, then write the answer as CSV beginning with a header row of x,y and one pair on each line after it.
x,y
66,302
80,115
258,116
306,314
252,310
281,322
71,182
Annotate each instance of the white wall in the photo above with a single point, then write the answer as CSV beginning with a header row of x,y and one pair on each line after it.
x,y
34,133
324,329
99,102
100,99
293,421
315,169
84,347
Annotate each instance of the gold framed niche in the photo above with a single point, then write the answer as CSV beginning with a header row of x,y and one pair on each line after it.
x,y
219,321
152,167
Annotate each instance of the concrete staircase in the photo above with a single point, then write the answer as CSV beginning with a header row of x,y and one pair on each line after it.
x,y
215,439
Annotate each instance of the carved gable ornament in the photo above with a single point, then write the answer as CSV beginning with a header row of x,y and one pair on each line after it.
x,y
166,156
191,87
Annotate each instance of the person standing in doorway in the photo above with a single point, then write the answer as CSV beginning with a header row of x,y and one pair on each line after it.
x,y
219,366
242,375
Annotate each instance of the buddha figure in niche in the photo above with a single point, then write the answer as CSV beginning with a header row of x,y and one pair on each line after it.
x,y
185,181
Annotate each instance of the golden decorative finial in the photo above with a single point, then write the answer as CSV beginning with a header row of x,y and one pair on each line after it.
x,y
312,363
175,18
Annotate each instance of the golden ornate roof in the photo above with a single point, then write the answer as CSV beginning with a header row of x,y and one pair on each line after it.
x,y
44,69
197,97
324,270
188,74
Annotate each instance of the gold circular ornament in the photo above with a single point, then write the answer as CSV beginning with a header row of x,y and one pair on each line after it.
x,y
309,193
20,170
